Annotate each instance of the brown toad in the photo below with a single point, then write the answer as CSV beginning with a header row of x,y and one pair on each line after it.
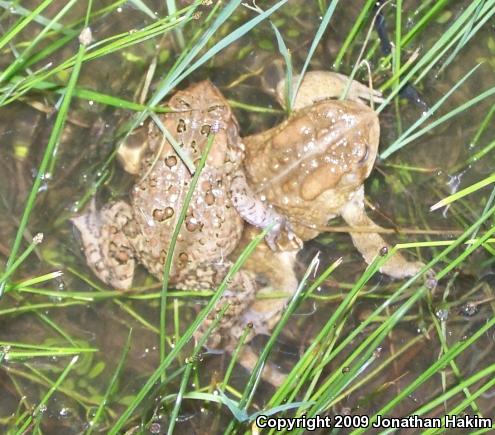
x,y
311,167
122,234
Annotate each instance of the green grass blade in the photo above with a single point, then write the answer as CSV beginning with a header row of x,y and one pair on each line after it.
x,y
20,25
189,366
42,405
141,6
435,53
400,142
171,79
462,193
330,390
173,241
316,40
46,160
463,107
188,334
111,385
351,36
10,270
96,50
291,307
284,51
227,40
23,57
463,41
23,12
455,350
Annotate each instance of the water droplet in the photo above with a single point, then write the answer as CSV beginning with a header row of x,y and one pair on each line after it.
x,y
377,353
64,412
469,309
442,314
155,428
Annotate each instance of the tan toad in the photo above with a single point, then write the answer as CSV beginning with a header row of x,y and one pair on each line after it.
x,y
312,166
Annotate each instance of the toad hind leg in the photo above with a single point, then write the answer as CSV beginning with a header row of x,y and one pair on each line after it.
x,y
108,251
239,294
370,244
244,308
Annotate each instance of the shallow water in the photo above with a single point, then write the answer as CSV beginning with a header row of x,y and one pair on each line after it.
x,y
432,167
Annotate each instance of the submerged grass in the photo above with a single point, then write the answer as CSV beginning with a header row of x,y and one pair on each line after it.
x,y
48,156
344,357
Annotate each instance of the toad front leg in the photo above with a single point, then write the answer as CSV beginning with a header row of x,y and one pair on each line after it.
x,y
108,251
260,214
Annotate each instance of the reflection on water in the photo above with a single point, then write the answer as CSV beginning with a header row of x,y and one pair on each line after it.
x,y
402,188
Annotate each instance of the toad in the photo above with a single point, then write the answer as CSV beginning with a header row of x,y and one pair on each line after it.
x,y
304,172
312,166
122,234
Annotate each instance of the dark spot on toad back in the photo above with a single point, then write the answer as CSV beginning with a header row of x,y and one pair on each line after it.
x,y
191,226
171,161
181,126
184,103
160,215
209,198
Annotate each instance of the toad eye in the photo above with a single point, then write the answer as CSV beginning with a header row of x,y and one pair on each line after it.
x,y
364,157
